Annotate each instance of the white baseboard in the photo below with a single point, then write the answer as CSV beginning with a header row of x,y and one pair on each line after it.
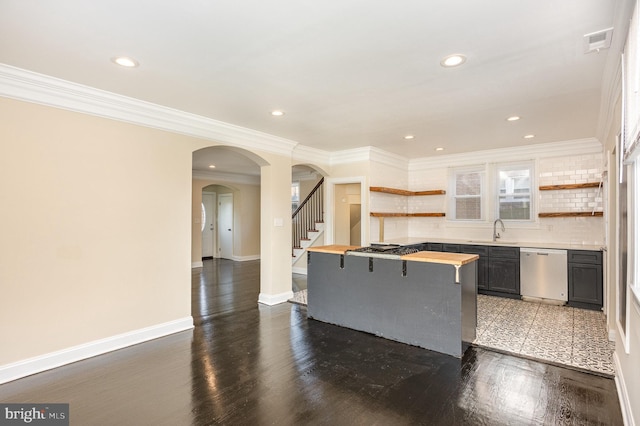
x,y
27,367
623,394
246,258
274,299
301,271
197,264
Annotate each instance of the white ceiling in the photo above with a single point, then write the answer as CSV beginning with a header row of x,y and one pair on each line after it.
x,y
347,73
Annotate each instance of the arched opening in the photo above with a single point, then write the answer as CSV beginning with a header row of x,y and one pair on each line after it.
x,y
307,209
226,195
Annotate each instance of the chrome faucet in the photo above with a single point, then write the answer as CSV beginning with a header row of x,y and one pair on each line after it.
x,y
496,235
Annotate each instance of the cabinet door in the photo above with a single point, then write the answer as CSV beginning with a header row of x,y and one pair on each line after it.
x,y
504,275
483,263
585,285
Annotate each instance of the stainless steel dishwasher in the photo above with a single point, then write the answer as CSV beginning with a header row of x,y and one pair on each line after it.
x,y
543,274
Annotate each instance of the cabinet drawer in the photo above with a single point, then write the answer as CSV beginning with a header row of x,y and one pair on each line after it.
x,y
505,252
585,256
481,250
434,246
451,248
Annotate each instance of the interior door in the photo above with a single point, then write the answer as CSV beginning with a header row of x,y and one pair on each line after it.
x,y
225,225
208,231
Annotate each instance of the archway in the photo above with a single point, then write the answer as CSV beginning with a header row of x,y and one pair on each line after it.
x,y
226,170
267,238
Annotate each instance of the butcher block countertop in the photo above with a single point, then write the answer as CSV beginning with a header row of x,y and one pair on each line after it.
x,y
456,259
332,249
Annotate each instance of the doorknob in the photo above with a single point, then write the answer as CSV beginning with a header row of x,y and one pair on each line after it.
x,y
229,229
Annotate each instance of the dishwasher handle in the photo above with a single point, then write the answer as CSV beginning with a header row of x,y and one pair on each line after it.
x,y
543,252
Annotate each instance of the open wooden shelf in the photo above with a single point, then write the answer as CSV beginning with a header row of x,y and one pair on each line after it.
x,y
569,186
375,214
405,192
571,214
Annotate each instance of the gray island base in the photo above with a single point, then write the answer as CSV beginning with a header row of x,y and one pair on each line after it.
x,y
425,299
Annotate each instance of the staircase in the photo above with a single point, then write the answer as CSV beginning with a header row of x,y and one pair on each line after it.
x,y
308,221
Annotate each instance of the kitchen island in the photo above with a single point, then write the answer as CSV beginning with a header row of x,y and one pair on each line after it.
x,y
425,299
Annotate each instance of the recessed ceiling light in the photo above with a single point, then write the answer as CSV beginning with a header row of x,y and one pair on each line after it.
x,y
408,137
453,60
212,166
125,61
277,113
439,148
529,136
513,118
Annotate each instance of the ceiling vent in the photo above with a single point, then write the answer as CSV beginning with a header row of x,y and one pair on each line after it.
x,y
599,40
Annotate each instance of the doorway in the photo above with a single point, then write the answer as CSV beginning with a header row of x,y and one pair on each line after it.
x,y
225,225
209,225
345,199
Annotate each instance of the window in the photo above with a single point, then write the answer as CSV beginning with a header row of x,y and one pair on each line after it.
x,y
467,187
203,217
295,196
514,192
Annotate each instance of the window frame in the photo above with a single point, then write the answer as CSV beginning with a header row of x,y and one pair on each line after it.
x,y
511,166
454,172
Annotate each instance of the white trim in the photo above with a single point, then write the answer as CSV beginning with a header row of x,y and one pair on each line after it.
x,y
29,86
27,367
623,394
329,203
543,150
305,154
274,299
369,153
197,264
246,258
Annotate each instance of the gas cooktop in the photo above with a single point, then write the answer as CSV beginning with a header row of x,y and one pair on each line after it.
x,y
388,251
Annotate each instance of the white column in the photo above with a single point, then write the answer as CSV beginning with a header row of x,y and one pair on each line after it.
x,y
275,233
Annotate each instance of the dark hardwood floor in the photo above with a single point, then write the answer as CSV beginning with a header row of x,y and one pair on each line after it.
x,y
248,364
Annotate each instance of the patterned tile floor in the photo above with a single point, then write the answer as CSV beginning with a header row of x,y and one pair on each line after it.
x,y
571,337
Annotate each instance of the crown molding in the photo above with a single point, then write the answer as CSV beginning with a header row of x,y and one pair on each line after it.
x,y
612,75
223,177
303,154
542,150
38,88
347,156
369,153
383,157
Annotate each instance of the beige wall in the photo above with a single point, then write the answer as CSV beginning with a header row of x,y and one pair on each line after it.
x,y
246,218
306,186
94,225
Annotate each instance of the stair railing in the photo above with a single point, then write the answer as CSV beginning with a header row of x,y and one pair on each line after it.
x,y
308,213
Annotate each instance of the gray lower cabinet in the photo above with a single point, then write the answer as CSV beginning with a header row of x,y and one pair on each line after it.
x,y
585,279
498,267
483,263
504,271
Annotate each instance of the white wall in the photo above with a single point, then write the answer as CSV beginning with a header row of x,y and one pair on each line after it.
x,y
550,168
